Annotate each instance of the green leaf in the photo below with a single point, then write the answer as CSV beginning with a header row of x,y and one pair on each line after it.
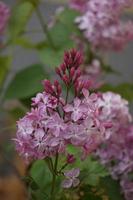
x,y
124,89
64,28
111,188
26,83
91,194
50,57
41,175
67,17
93,171
61,33
61,36
19,18
4,66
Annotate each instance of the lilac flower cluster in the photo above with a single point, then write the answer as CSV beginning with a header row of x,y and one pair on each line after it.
x,y
102,24
116,151
4,16
55,122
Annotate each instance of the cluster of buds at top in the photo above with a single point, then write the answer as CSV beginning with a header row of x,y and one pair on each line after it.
x,y
52,89
70,73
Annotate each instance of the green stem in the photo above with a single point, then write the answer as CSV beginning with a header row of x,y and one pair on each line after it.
x,y
54,177
49,164
63,167
67,95
44,27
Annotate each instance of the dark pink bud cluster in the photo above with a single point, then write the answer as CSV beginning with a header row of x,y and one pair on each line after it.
x,y
53,89
70,73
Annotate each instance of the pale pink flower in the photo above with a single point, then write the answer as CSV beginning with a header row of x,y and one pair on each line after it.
x,y
77,110
71,178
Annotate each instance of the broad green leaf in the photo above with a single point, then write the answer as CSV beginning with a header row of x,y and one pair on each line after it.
x,y
61,36
26,83
124,89
19,18
41,174
92,171
4,66
50,57
64,28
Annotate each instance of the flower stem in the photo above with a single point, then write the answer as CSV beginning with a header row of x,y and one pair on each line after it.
x,y
44,27
67,95
54,177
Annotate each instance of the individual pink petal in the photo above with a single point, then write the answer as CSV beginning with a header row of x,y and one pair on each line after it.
x,y
67,183
68,108
76,182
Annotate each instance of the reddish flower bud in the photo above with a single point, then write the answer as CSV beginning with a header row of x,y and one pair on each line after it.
x,y
66,79
48,86
63,67
70,158
59,90
77,75
72,72
58,71
87,84
56,83
72,58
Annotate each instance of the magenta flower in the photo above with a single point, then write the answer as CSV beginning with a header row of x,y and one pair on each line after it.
x,y
71,178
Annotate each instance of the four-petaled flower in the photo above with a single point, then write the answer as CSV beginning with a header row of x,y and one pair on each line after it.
x,y
77,110
71,178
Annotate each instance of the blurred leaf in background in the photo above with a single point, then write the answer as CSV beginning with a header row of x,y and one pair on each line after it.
x,y
26,83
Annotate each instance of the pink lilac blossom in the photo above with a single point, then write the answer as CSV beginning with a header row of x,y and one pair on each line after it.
x,y
71,178
117,155
102,24
4,16
55,122
127,186
116,151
